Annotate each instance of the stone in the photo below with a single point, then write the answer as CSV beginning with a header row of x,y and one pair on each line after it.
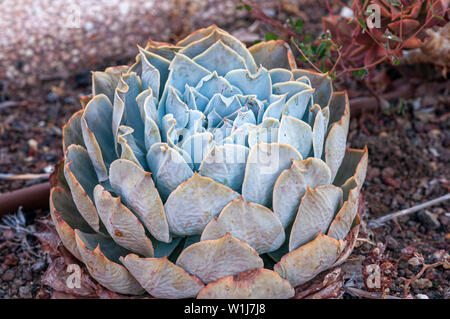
x,y
422,283
25,292
8,275
429,220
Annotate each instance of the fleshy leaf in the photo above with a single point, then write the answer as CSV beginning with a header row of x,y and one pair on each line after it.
x,y
339,110
97,134
212,84
194,203
184,70
162,49
198,146
315,214
335,145
122,225
264,164
168,168
290,87
128,147
320,82
253,284
292,184
298,104
343,221
81,178
250,222
275,109
158,62
211,260
226,165
106,82
319,131
220,58
258,83
296,133
137,190
175,106
304,263
71,131
195,48
273,54
101,257
161,278
66,218
354,164
280,75
266,132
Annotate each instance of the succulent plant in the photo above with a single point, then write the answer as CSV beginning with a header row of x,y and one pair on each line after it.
x,y
209,170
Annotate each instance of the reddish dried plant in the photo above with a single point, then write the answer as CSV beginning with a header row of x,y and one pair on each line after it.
x,y
352,44
400,25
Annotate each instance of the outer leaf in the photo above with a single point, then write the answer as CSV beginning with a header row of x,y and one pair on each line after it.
x,y
161,278
252,223
71,131
211,260
273,54
122,225
253,284
194,203
293,183
315,214
97,134
100,255
81,178
304,263
220,58
264,164
66,218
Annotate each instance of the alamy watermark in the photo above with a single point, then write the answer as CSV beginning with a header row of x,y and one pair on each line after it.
x,y
373,16
73,281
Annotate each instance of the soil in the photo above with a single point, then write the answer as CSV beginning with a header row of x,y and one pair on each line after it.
x,y
409,153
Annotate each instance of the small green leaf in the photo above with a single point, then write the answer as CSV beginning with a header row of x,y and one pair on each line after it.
x,y
439,17
271,36
362,23
360,73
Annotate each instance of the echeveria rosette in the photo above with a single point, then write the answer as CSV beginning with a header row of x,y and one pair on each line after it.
x,y
208,169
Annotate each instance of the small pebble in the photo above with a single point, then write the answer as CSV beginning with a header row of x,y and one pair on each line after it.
x,y
429,220
8,275
25,292
414,261
422,283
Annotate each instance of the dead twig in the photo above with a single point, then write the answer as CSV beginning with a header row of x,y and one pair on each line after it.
x,y
7,104
23,177
419,274
380,221
369,295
